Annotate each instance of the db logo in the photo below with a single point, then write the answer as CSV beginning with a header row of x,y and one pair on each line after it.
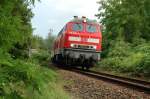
x,y
84,39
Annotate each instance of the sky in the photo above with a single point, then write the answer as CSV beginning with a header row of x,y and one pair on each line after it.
x,y
54,14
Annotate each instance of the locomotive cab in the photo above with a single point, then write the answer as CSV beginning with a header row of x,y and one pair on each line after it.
x,y
79,43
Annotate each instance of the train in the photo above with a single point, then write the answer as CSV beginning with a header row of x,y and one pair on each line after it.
x,y
79,43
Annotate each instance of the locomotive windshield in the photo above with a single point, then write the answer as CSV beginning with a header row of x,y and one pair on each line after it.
x,y
91,28
77,27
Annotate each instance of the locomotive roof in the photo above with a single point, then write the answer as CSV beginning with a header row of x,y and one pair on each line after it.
x,y
87,20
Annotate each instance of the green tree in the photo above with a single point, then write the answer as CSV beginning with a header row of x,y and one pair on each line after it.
x,y
126,29
49,41
15,26
36,42
127,20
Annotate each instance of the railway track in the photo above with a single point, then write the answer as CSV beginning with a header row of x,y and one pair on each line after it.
x,y
135,84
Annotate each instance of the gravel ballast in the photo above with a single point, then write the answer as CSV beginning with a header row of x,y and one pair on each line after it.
x,y
84,87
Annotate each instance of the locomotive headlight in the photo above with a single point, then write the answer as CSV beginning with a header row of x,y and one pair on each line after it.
x,y
92,40
72,45
94,47
84,20
73,38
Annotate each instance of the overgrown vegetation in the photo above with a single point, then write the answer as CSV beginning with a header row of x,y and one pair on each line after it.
x,y
27,80
24,75
126,36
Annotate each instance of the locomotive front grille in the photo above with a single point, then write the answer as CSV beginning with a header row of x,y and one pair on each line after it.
x,y
83,46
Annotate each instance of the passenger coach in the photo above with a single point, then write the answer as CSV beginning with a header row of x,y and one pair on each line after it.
x,y
78,43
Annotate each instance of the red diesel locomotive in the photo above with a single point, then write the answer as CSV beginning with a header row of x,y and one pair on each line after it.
x,y
78,43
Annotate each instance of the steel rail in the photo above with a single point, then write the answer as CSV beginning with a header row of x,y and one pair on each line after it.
x,y
129,82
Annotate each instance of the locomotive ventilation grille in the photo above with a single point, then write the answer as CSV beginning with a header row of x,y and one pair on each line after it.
x,y
92,47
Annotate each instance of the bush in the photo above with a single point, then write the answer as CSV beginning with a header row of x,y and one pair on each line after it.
x,y
110,63
41,57
144,66
130,64
25,80
122,58
119,49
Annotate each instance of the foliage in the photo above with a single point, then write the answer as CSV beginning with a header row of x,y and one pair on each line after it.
x,y
41,57
21,77
126,35
37,42
24,80
125,19
41,43
15,26
18,77
49,41
135,61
